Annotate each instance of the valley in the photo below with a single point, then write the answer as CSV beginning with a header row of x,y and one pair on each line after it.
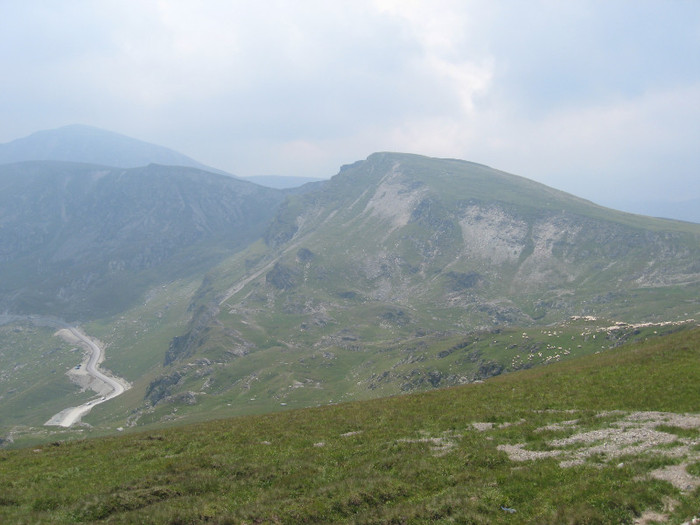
x,y
415,339
402,273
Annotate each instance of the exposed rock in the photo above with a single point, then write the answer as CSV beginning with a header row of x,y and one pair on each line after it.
x,y
162,386
304,255
282,277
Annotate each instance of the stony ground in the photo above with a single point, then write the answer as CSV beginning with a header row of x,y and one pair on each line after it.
x,y
621,436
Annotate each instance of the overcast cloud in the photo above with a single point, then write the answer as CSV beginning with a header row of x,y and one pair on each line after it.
x,y
598,98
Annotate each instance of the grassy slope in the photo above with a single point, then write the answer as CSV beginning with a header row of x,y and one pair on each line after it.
x,y
34,389
303,466
33,361
280,378
364,302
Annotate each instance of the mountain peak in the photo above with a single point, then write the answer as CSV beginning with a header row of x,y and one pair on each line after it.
x,y
92,145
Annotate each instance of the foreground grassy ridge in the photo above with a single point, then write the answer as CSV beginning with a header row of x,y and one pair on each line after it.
x,y
409,459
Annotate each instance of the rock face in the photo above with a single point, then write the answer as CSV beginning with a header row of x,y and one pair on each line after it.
x,y
84,240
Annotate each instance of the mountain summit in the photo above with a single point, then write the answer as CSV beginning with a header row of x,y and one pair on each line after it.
x,y
79,143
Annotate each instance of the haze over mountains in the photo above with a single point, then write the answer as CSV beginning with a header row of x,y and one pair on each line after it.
x,y
80,143
213,293
79,240
280,181
91,145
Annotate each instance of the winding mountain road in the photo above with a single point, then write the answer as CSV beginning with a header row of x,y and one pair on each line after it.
x,y
72,415
107,387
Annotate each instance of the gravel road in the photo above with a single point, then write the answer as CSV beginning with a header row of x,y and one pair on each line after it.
x,y
108,387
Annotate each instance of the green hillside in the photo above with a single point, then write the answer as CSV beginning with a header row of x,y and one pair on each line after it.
x,y
360,286
609,438
215,297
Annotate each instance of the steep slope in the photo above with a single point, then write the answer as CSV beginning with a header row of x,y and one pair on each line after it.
x,y
418,232
367,284
608,439
79,143
81,241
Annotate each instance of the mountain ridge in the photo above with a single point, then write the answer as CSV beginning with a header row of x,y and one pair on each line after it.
x,y
400,273
73,228
399,253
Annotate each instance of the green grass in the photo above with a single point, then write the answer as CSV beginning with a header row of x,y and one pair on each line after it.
x,y
370,462
274,376
34,388
33,362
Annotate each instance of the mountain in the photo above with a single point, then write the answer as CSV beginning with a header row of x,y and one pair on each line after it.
x,y
280,181
87,144
215,296
80,240
411,231
391,276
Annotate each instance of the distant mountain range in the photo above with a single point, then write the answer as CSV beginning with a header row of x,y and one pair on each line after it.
x,y
91,145
398,273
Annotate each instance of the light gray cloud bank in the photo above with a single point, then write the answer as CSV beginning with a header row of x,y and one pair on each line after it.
x,y
601,99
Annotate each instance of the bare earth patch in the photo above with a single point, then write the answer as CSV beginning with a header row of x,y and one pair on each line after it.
x,y
440,445
636,433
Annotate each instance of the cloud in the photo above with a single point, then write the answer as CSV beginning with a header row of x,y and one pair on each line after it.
x,y
574,94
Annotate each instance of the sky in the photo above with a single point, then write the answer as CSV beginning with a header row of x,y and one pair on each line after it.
x,y
597,98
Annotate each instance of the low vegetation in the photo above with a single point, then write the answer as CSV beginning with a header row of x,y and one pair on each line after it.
x,y
444,456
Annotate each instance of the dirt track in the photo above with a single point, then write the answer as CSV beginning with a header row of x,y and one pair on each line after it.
x,y
88,376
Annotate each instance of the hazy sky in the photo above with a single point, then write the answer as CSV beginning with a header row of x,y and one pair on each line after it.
x,y
598,98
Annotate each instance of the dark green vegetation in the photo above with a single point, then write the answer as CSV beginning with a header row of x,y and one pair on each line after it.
x,y
409,459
